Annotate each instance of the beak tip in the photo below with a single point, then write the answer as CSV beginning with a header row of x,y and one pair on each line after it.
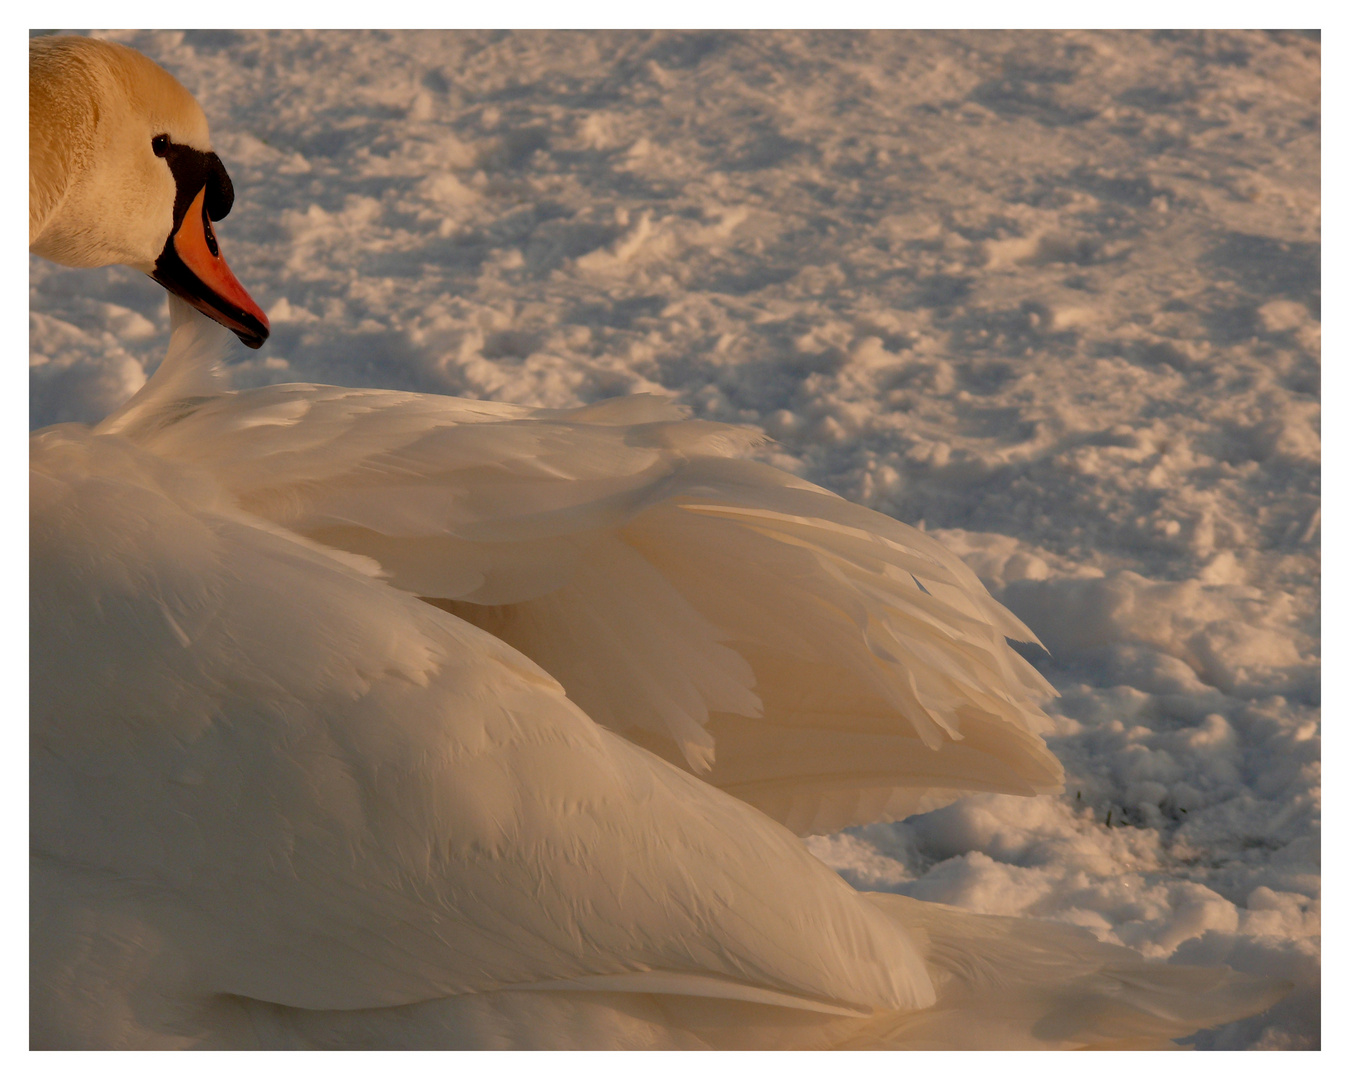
x,y
254,332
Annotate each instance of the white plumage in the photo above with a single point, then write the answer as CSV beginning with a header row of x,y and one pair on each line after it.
x,y
822,661
349,711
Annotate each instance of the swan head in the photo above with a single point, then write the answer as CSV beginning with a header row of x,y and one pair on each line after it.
x,y
121,170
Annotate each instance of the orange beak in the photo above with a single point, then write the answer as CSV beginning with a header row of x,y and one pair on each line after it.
x,y
191,267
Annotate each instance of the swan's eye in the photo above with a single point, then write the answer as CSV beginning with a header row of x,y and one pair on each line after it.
x,y
160,145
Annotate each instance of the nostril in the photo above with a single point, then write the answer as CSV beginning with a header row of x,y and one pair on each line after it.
x,y
210,234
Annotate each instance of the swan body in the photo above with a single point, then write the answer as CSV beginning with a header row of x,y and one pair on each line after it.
x,y
369,719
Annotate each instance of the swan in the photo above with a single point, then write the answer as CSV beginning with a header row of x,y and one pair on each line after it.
x,y
373,719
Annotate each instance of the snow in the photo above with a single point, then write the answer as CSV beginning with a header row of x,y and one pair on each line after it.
x,y
1055,295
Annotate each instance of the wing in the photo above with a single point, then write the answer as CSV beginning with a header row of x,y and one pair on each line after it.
x,y
265,773
819,660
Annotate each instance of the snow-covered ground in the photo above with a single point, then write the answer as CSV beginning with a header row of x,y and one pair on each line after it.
x,y
1054,295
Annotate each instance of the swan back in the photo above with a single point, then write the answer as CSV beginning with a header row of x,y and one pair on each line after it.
x,y
98,192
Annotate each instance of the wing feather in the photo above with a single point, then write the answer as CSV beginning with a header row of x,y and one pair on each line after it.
x,y
728,616
692,601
